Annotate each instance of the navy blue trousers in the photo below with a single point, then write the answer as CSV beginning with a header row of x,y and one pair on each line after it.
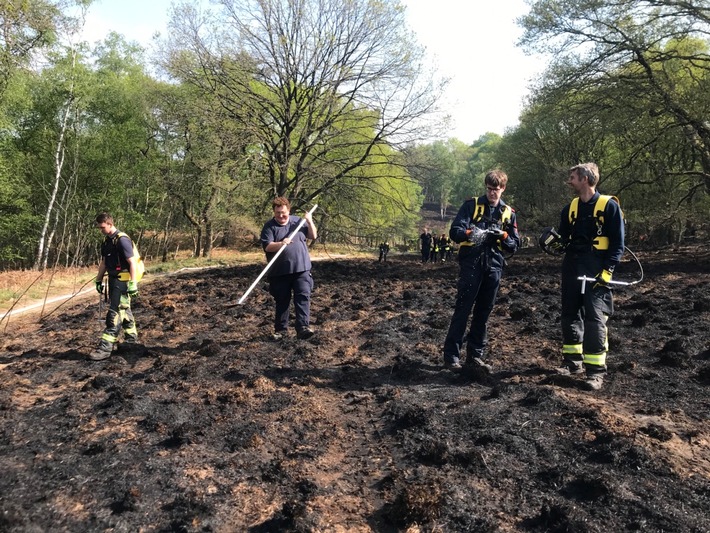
x,y
477,291
281,288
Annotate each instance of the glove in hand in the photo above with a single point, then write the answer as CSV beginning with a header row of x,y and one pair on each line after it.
x,y
99,287
132,288
602,279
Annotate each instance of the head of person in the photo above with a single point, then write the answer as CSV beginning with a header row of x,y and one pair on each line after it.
x,y
583,175
282,210
495,181
104,222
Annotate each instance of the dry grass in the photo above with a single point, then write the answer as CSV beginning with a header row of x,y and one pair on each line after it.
x,y
22,288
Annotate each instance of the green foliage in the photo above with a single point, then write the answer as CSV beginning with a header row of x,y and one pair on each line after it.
x,y
628,89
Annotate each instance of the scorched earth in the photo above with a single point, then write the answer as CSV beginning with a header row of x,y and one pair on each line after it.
x,y
209,425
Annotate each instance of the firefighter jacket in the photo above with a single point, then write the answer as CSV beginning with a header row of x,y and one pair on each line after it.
x,y
597,238
477,213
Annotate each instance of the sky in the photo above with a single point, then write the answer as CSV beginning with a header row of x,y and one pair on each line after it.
x,y
471,42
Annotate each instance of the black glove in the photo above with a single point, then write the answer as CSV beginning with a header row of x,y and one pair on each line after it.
x,y
494,235
602,279
99,287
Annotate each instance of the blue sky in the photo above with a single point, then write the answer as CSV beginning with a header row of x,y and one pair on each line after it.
x,y
472,42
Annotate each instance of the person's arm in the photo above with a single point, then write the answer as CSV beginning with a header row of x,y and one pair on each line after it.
x,y
615,231
102,270
133,267
267,240
312,230
461,222
512,241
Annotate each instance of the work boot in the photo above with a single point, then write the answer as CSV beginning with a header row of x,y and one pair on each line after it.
x,y
99,355
594,381
452,365
305,333
479,364
570,367
279,335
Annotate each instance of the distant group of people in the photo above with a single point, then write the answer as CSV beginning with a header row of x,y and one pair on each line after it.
x,y
435,248
591,238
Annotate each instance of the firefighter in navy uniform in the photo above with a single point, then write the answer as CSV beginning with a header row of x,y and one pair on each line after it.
x,y
120,261
592,237
485,227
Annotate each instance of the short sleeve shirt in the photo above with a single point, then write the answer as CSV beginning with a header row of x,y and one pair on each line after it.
x,y
294,258
115,252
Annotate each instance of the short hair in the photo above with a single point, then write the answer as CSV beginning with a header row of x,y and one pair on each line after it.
x,y
281,201
104,218
496,178
587,170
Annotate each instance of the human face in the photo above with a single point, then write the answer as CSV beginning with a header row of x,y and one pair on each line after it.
x,y
575,182
493,194
104,227
281,213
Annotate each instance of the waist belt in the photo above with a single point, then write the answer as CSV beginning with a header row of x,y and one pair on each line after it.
x,y
123,275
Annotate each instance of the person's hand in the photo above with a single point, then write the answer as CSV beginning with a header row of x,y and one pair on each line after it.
x,y
132,289
99,287
495,235
602,279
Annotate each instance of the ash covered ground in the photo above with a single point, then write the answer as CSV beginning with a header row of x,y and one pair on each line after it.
x,y
209,425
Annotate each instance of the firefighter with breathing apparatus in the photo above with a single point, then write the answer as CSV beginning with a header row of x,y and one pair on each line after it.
x,y
591,237
485,227
121,261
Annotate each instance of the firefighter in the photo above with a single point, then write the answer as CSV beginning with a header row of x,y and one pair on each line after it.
x,y
119,259
592,237
384,250
481,265
425,239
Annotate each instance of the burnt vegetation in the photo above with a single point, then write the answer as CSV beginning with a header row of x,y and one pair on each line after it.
x,y
209,425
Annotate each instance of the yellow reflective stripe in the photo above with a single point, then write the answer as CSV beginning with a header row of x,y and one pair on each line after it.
x,y
131,331
598,359
108,338
478,212
467,243
506,214
572,349
573,206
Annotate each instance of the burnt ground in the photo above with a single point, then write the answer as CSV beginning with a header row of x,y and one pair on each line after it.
x,y
211,426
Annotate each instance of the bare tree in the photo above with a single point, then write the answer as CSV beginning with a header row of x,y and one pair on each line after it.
x,y
319,83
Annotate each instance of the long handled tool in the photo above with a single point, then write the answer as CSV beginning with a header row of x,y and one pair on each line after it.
x,y
585,279
273,259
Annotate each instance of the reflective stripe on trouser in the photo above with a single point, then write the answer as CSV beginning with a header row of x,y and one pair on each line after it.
x,y
584,316
119,315
572,353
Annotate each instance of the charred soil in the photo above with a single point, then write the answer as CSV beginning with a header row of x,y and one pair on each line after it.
x,y
210,425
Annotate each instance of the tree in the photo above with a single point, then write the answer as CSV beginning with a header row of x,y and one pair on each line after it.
x,y
654,50
628,89
319,84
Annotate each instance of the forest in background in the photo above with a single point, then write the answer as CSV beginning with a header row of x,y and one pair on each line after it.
x,y
332,103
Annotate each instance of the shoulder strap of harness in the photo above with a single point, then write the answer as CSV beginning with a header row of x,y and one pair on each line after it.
x,y
599,208
506,212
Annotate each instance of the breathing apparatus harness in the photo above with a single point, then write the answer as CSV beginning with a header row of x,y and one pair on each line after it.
x,y
551,242
494,233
